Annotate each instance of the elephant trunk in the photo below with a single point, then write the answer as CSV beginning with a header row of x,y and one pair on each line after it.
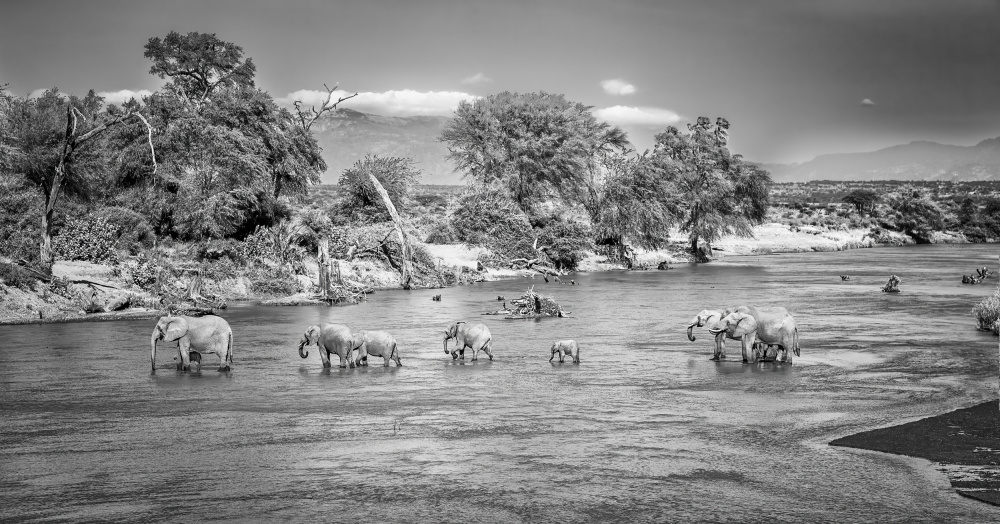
x,y
152,352
446,344
302,345
691,336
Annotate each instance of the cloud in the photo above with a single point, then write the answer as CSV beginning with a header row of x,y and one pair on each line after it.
x,y
124,95
638,116
477,78
617,87
867,102
404,102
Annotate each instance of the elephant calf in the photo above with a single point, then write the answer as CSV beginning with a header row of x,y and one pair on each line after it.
x,y
476,337
194,336
566,347
377,343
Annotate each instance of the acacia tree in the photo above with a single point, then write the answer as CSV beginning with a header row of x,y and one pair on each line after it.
x,y
637,204
721,194
229,153
52,144
863,200
395,175
536,145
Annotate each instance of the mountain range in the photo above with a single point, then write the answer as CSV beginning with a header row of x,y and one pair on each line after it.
x,y
346,136
923,161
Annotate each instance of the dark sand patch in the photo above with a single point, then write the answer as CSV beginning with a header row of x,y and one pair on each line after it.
x,y
966,441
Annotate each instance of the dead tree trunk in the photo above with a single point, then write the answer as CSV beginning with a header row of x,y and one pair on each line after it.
x,y
323,258
405,268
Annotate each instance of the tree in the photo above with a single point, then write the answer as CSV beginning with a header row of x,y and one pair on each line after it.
x,y
51,143
396,175
535,145
198,63
637,204
721,194
229,153
915,214
864,200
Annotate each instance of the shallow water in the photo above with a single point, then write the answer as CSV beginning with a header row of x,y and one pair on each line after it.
x,y
646,428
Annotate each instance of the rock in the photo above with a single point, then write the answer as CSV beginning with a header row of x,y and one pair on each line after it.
x,y
117,303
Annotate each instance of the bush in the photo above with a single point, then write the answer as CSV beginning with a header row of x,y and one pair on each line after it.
x,y
987,313
487,217
396,175
566,243
15,276
91,238
211,250
442,233
278,285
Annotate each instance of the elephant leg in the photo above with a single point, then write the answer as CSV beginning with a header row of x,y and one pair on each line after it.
x,y
454,355
475,353
461,354
184,347
387,359
561,355
576,356
344,360
325,356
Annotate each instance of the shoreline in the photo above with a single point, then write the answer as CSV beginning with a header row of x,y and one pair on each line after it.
x,y
19,307
964,444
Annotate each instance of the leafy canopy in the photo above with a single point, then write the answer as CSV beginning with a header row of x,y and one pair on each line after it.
x,y
721,194
534,145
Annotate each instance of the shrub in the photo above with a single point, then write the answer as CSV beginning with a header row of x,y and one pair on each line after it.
x,y
442,233
278,284
217,249
487,217
90,238
987,313
396,175
16,276
566,243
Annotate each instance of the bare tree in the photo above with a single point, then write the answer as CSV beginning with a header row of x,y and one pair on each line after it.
x,y
306,118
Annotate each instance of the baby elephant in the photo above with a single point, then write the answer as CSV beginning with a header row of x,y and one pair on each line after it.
x,y
568,348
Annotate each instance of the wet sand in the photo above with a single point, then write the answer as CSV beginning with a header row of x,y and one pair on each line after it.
x,y
965,442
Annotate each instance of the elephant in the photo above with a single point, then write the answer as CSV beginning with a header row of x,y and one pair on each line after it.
x,y
771,326
566,347
377,343
194,336
329,338
475,336
706,318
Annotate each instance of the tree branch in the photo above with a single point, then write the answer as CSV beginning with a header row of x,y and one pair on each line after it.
x,y
305,120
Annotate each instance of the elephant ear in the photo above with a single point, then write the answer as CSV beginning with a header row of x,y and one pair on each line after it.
x,y
312,335
357,340
745,324
175,329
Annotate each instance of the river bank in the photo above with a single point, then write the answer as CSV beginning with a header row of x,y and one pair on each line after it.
x,y
964,444
107,295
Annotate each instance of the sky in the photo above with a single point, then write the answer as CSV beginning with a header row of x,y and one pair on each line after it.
x,y
795,78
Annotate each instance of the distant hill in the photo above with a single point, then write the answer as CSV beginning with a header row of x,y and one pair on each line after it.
x,y
927,161
347,135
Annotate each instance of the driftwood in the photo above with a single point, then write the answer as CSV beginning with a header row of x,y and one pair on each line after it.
x,y
892,286
531,305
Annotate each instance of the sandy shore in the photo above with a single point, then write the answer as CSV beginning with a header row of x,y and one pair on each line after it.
x,y
964,443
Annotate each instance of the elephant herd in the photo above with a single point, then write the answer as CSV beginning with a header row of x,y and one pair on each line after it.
x,y
757,328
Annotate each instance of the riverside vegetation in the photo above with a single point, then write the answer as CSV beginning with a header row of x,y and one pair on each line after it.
x,y
208,191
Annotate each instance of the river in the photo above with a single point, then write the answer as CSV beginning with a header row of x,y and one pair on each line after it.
x,y
644,429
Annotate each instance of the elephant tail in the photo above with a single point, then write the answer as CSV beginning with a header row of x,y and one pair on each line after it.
x,y
393,352
795,342
229,348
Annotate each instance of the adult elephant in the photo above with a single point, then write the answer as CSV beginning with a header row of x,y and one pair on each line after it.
x,y
376,343
771,326
329,338
194,336
706,318
476,337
